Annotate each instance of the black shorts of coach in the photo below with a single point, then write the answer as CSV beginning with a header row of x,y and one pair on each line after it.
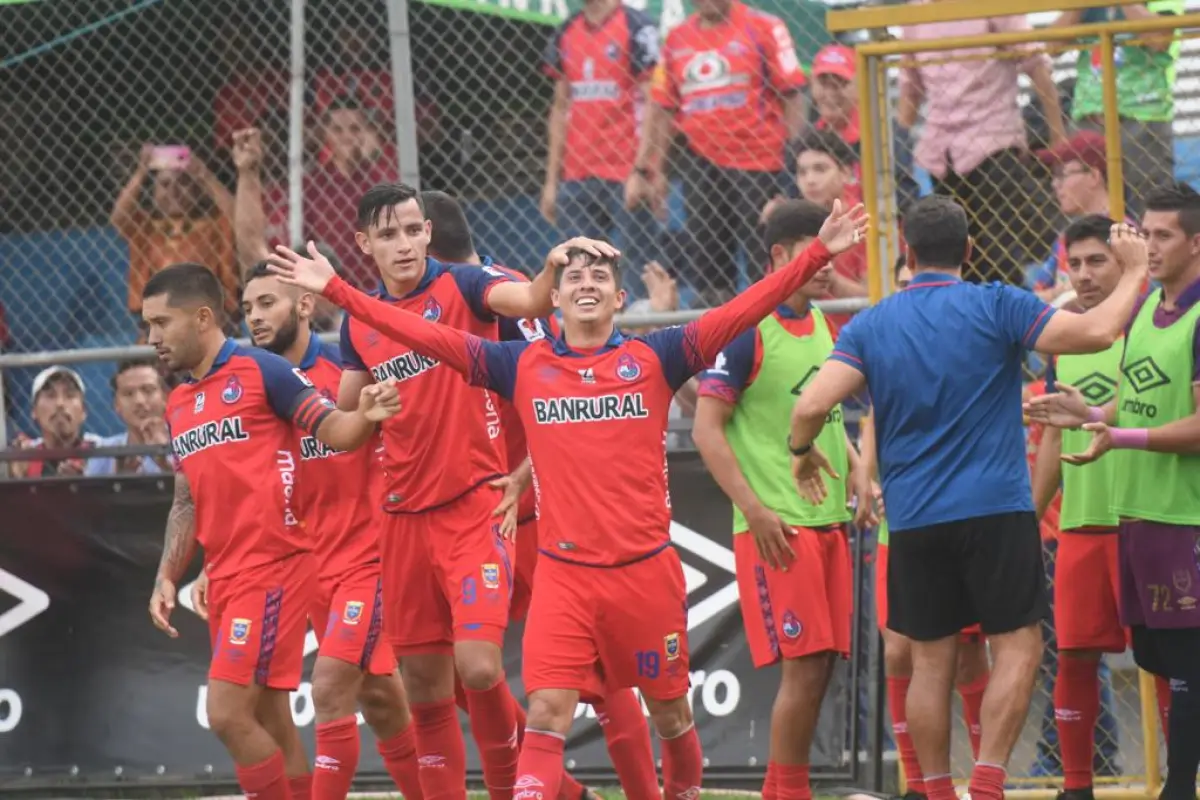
x,y
986,570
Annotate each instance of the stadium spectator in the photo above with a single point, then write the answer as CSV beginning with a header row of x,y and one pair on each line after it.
x,y
257,84
140,400
973,141
1145,94
601,60
179,228
730,81
59,411
835,92
359,158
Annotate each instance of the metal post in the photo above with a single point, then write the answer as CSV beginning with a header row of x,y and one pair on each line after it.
x,y
1112,127
868,104
3,427
400,38
296,128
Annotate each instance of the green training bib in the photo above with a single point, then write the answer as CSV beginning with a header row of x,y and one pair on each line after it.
x,y
1087,490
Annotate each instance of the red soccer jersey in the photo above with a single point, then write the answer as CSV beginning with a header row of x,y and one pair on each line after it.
x,y
339,491
596,422
604,66
233,436
444,443
726,83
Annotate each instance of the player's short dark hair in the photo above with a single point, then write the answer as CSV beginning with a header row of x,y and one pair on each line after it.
x,y
451,239
187,283
830,143
588,259
132,363
936,231
1179,197
791,221
380,198
901,263
1093,226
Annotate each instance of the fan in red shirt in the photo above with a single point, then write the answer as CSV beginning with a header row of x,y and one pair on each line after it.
x,y
447,573
593,391
730,81
620,712
353,666
233,426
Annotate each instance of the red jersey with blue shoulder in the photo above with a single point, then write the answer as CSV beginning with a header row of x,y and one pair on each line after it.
x,y
233,436
443,444
339,491
738,364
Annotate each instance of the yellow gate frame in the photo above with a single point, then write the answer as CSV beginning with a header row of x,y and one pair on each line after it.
x,y
877,171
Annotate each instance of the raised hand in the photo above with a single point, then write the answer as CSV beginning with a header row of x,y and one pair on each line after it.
x,y
559,256
312,273
247,149
662,288
1129,246
1065,408
844,228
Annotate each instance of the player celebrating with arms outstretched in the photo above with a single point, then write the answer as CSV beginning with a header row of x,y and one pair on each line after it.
x,y
233,425
595,394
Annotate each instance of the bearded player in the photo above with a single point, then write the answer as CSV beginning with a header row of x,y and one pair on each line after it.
x,y
593,391
233,423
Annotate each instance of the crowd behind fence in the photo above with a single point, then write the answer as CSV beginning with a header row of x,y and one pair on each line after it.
x,y
535,119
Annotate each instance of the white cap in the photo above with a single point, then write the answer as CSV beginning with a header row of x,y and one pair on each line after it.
x,y
45,375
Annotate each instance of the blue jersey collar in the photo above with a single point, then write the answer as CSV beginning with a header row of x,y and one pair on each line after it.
x,y
434,269
933,279
561,348
314,349
223,355
787,312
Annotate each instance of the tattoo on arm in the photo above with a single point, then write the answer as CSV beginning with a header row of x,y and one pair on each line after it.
x,y
180,542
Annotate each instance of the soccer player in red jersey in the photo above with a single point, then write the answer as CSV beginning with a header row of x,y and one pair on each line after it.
x,y
353,666
447,573
233,424
619,714
593,392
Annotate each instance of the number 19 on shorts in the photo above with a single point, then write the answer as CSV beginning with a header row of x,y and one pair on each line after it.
x,y
648,663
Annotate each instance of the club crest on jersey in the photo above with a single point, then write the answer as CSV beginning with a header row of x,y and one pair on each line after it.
x,y
491,576
328,395
353,612
531,329
791,626
199,406
233,390
671,646
239,630
628,369
432,310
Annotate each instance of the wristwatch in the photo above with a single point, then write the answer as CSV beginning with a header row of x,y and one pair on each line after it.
x,y
798,451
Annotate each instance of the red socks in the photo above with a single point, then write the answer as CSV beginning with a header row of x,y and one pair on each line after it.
x,y
897,694
540,768
265,780
987,782
628,738
441,752
972,701
1162,693
683,765
301,787
939,787
494,728
791,781
337,759
399,755
770,788
1076,707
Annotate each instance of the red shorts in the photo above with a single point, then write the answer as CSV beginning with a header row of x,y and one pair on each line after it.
x,y
526,550
347,616
257,622
803,611
447,576
1087,593
593,629
881,603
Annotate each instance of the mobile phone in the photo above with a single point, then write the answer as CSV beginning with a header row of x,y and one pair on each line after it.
x,y
170,156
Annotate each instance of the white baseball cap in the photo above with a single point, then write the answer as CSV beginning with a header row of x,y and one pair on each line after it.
x,y
49,373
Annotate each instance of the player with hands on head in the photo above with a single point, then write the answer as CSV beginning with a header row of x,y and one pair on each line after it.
x,y
592,390
232,424
1151,434
942,361
789,554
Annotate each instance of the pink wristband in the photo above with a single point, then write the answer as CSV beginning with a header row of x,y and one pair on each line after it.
x,y
1130,438
1095,414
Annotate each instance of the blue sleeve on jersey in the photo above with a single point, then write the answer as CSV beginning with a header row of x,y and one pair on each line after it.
x,y
474,284
1051,375
676,349
643,42
1021,314
848,348
350,357
729,375
493,365
286,386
